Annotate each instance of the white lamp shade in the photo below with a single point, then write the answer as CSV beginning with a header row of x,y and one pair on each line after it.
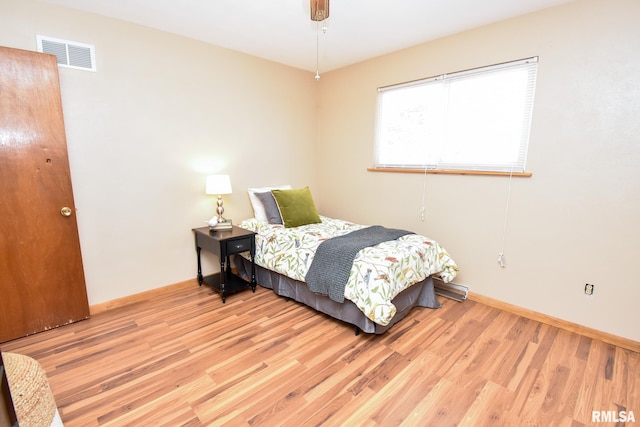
x,y
218,184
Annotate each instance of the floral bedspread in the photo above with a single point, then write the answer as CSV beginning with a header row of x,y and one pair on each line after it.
x,y
378,274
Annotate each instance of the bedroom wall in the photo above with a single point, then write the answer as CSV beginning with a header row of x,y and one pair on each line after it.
x,y
161,113
575,221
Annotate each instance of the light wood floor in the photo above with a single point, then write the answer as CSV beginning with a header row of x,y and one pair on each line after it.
x,y
258,360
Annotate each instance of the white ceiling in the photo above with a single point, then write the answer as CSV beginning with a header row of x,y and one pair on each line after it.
x,y
282,31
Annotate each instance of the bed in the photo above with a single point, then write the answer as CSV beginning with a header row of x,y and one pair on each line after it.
x,y
385,281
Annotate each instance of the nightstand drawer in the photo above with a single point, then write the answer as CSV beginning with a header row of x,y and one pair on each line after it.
x,y
238,245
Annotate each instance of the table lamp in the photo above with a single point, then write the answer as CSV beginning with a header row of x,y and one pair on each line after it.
x,y
218,185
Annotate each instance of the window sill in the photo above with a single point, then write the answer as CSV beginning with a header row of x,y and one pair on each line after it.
x,y
451,172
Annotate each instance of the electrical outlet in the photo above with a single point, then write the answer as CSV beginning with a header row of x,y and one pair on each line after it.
x,y
589,288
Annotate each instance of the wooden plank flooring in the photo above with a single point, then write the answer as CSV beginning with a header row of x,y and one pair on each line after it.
x,y
186,359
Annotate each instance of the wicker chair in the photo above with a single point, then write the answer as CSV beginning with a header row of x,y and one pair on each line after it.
x,y
27,399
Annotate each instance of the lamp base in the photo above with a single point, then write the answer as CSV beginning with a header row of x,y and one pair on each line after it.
x,y
224,225
220,210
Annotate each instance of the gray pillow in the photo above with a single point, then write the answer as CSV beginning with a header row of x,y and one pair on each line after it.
x,y
270,207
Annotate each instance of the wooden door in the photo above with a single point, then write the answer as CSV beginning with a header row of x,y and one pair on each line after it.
x,y
42,282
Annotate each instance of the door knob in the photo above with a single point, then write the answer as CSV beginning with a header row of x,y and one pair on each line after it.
x,y
66,211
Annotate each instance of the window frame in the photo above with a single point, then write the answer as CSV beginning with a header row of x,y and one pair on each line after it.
x,y
444,82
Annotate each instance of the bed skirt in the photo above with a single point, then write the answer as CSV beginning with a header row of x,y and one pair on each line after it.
x,y
421,294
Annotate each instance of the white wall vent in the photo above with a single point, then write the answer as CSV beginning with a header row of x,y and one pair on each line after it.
x,y
80,56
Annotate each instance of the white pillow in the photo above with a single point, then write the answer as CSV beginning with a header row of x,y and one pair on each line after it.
x,y
259,211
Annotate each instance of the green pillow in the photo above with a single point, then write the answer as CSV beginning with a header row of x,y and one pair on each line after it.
x,y
296,207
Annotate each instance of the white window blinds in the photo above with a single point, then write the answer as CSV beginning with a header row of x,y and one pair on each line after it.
x,y
471,120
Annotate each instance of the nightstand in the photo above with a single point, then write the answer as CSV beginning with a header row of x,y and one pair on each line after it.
x,y
225,243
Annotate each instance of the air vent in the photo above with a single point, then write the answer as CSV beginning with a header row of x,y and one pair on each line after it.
x,y
80,56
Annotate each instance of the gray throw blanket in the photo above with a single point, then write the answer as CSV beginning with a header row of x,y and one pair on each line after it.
x,y
331,265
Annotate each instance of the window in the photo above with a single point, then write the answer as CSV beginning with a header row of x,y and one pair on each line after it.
x,y
476,120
